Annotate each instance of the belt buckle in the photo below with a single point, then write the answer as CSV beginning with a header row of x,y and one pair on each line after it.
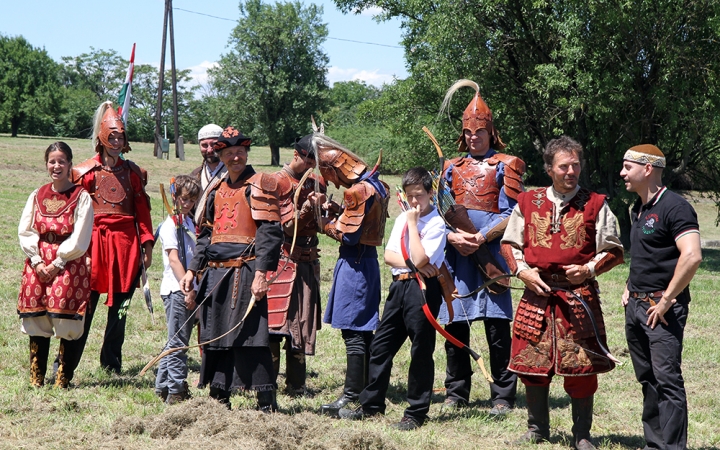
x,y
50,237
555,277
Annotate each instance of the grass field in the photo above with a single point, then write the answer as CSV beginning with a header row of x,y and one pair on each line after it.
x,y
113,412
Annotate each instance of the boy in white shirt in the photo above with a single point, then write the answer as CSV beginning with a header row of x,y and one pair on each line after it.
x,y
170,383
403,316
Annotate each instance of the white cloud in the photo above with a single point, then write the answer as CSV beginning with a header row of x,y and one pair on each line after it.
x,y
199,73
336,74
371,11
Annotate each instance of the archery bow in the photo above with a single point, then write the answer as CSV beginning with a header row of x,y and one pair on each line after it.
x,y
426,309
591,316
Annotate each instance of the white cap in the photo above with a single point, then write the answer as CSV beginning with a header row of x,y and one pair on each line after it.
x,y
209,131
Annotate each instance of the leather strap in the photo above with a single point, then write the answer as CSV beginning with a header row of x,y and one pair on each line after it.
x,y
403,276
229,263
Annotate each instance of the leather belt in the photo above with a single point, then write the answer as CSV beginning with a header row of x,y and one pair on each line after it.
x,y
403,276
647,296
52,238
229,263
301,254
557,279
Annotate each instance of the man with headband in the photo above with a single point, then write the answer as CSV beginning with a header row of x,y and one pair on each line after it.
x,y
665,242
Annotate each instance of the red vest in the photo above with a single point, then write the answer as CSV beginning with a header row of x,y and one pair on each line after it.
x,y
549,246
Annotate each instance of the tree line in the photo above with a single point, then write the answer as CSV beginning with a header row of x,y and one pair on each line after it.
x,y
611,75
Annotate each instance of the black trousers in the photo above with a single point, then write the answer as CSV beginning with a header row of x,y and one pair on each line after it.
x,y
403,318
459,363
657,356
111,351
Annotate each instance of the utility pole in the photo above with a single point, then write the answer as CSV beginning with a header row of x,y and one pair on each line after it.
x,y
179,147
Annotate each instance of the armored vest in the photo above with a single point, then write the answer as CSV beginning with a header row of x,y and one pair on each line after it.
x,y
475,185
287,186
551,244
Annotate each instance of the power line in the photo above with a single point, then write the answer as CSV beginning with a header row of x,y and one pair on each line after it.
x,y
329,37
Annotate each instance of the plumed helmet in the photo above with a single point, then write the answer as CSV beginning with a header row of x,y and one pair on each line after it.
x,y
336,163
209,131
477,115
111,122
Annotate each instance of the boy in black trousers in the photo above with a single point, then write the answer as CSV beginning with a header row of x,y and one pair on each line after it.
x,y
421,230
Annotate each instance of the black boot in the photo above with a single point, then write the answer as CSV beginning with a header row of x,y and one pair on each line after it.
x,y
295,373
266,402
221,395
62,380
582,414
538,415
39,350
275,350
354,384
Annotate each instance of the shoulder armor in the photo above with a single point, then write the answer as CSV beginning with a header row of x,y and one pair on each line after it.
x,y
264,203
84,167
514,170
357,195
457,161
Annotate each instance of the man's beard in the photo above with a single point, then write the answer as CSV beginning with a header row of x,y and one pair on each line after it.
x,y
212,159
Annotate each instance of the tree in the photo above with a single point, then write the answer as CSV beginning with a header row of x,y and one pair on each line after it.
x,y
29,87
274,76
344,98
611,75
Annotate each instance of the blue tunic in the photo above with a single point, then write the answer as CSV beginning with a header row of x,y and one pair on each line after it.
x,y
354,300
467,276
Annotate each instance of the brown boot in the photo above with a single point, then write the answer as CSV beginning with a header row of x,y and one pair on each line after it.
x,y
39,349
538,415
582,414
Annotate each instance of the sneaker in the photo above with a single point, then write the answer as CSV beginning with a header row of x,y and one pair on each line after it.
x,y
499,411
406,424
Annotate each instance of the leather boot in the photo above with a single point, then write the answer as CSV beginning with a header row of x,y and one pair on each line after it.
x,y
266,402
538,415
275,350
582,414
62,380
354,384
221,395
295,373
39,350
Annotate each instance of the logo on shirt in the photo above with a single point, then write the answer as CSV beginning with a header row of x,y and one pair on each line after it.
x,y
650,221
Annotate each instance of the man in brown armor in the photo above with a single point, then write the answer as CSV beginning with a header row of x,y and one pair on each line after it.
x,y
238,245
294,298
485,185
354,300
557,241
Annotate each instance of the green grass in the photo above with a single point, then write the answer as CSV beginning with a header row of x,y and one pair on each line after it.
x,y
103,411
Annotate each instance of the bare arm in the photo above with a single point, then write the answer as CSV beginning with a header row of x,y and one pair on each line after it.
x,y
688,263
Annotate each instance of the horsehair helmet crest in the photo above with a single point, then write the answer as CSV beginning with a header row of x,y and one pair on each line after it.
x,y
477,115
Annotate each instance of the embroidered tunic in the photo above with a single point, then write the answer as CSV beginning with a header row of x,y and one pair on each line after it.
x,y
55,228
554,334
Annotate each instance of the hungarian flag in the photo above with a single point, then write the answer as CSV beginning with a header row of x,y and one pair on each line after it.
x,y
124,98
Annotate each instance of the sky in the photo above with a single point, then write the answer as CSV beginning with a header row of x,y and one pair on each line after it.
x,y
70,28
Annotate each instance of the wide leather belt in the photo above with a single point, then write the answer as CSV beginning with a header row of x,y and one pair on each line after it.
x,y
403,276
301,254
52,238
557,279
230,263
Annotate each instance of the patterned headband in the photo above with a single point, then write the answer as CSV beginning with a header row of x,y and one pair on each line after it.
x,y
644,158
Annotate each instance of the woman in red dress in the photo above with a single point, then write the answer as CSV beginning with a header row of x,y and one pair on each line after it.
x,y
121,236
54,231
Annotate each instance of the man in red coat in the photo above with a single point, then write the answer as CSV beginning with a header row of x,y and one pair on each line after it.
x,y
557,241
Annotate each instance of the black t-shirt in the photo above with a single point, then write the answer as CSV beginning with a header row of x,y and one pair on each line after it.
x,y
656,226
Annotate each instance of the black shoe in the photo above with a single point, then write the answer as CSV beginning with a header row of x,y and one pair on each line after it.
x,y
266,402
406,424
163,394
355,414
499,411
